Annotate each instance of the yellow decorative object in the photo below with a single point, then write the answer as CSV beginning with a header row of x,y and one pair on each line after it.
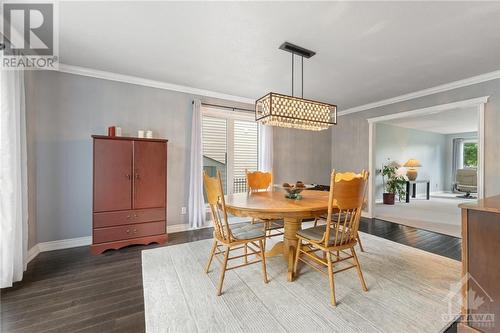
x,y
411,172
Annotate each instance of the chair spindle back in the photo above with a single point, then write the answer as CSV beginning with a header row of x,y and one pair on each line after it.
x,y
215,198
347,194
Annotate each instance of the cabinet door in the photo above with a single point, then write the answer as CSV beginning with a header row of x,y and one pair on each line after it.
x,y
150,167
112,175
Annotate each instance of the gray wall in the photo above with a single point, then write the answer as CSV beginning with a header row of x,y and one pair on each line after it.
x,y
448,185
352,130
400,144
63,110
301,155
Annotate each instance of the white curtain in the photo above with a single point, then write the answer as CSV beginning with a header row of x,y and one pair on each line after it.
x,y
13,178
196,202
265,148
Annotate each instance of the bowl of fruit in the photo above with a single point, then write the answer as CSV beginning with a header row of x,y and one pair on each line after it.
x,y
293,190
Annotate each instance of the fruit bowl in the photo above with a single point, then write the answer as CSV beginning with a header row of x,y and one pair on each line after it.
x,y
293,191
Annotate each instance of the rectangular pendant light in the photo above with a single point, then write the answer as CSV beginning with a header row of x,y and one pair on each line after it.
x,y
293,112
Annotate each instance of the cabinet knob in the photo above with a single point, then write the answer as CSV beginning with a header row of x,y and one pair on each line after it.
x,y
128,216
135,215
128,231
135,230
129,177
137,176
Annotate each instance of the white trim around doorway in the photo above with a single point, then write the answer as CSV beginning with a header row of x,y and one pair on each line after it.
x,y
474,102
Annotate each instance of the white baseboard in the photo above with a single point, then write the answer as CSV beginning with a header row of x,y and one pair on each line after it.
x,y
87,240
65,243
365,214
32,253
183,227
57,245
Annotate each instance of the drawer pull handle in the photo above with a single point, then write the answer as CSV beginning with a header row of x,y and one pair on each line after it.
x,y
128,216
135,215
128,231
135,230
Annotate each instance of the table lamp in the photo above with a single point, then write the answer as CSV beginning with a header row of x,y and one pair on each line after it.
x,y
411,172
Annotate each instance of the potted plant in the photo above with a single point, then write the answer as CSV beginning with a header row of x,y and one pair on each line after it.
x,y
395,183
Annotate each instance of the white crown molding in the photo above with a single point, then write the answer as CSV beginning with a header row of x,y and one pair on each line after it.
x,y
431,109
421,93
84,71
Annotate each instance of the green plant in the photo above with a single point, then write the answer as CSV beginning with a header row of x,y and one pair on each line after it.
x,y
395,183
470,154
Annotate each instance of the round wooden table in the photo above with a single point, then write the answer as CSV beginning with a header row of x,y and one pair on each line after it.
x,y
274,205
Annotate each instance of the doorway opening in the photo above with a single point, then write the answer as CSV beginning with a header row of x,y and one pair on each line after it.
x,y
431,159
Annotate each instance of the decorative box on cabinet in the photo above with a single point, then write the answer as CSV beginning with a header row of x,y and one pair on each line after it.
x,y
130,197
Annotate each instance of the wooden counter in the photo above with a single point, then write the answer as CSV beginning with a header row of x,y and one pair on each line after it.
x,y
481,266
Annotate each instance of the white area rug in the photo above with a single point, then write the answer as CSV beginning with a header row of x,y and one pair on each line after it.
x,y
440,214
407,293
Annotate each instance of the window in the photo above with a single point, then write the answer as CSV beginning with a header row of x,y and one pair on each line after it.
x,y
469,153
215,147
230,146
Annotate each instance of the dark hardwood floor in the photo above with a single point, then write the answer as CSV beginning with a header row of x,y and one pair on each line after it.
x,y
72,291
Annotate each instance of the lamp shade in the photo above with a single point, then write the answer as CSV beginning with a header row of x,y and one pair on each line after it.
x,y
412,163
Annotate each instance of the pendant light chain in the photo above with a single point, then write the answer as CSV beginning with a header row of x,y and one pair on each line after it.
x,y
302,77
292,71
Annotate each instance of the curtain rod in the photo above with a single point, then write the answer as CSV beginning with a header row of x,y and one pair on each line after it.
x,y
226,107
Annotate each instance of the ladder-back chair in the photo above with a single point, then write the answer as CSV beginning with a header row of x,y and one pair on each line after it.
x,y
263,181
340,234
227,238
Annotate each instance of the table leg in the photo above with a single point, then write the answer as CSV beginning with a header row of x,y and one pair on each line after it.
x,y
292,225
428,190
414,194
407,192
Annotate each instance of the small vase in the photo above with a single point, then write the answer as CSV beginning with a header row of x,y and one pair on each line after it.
x,y
389,198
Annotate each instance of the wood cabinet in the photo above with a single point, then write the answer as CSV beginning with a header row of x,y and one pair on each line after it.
x,y
480,266
129,192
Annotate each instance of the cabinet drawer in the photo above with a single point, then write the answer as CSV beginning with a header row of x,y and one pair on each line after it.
x,y
124,217
111,234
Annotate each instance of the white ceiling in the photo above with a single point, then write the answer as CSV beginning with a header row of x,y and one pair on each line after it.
x,y
445,122
366,51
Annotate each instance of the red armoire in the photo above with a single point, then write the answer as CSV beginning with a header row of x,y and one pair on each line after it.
x,y
130,192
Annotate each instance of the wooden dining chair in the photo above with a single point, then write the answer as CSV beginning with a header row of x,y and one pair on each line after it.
x,y
340,234
263,181
247,236
336,215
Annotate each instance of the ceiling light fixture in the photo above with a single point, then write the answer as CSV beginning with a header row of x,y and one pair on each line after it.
x,y
293,112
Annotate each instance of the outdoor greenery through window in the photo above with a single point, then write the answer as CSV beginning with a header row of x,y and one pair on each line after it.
x,y
470,154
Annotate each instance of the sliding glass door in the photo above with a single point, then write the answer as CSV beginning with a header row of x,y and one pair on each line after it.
x,y
230,142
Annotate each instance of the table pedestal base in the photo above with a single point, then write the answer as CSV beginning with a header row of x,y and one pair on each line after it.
x,y
277,250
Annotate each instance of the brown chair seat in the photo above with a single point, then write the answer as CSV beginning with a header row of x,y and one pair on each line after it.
x,y
316,234
247,230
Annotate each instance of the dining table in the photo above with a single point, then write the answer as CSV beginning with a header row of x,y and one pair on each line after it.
x,y
270,205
